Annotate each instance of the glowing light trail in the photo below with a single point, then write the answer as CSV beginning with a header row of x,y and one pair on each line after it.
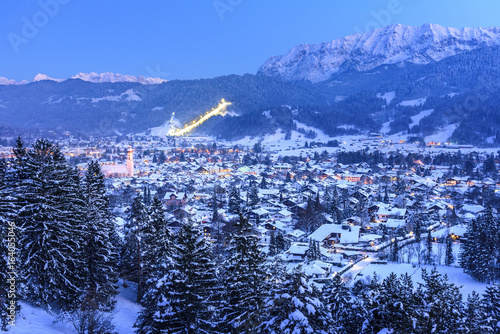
x,y
220,110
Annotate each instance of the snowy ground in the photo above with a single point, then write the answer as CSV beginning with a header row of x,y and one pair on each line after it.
x,y
364,269
415,120
33,320
443,135
455,275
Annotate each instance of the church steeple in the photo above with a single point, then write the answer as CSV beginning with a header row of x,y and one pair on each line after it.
x,y
130,161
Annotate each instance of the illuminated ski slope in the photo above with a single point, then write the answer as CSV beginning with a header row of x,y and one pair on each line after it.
x,y
220,110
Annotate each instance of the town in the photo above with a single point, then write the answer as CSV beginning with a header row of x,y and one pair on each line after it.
x,y
331,207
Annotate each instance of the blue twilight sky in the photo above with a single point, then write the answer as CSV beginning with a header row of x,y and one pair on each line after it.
x,y
189,39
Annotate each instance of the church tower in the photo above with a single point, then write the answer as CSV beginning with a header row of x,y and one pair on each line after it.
x,y
130,161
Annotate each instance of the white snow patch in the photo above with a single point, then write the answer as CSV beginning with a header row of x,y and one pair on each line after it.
x,y
415,120
130,93
443,135
157,108
413,103
36,320
386,127
267,113
387,96
339,98
347,127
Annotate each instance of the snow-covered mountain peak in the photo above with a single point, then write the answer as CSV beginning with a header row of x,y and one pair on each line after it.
x,y
42,77
388,45
116,77
90,77
5,81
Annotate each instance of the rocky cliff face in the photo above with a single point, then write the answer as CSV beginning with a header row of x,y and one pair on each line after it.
x,y
389,45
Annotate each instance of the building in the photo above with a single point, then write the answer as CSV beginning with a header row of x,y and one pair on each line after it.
x,y
130,162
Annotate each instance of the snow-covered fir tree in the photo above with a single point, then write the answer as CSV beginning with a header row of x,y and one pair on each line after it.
x,y
234,199
245,281
51,219
132,250
253,195
346,311
480,253
8,246
157,240
99,253
158,256
490,307
184,292
442,308
294,307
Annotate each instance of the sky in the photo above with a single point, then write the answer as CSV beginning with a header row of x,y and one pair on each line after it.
x,y
194,39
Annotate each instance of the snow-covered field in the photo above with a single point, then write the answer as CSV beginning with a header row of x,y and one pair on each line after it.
x,y
33,320
455,275
415,120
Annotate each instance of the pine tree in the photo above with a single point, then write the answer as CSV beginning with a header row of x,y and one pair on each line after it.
x,y
393,305
52,224
335,211
448,260
281,243
395,250
490,304
327,201
475,322
273,249
132,251
158,256
345,310
193,282
234,200
253,195
100,255
442,310
481,251
8,249
263,183
312,252
245,281
157,239
428,245
294,307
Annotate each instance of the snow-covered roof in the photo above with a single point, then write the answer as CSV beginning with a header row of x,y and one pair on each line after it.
x,y
348,234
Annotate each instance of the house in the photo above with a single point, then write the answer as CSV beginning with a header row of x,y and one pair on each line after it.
x,y
331,234
174,200
296,252
259,214
395,224
283,214
385,213
296,235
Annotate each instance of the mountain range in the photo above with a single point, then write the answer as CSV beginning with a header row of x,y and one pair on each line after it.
x,y
418,82
90,77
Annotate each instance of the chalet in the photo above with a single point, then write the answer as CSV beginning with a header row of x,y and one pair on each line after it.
x,y
330,234
296,252
296,235
395,224
385,213
275,225
259,214
283,214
